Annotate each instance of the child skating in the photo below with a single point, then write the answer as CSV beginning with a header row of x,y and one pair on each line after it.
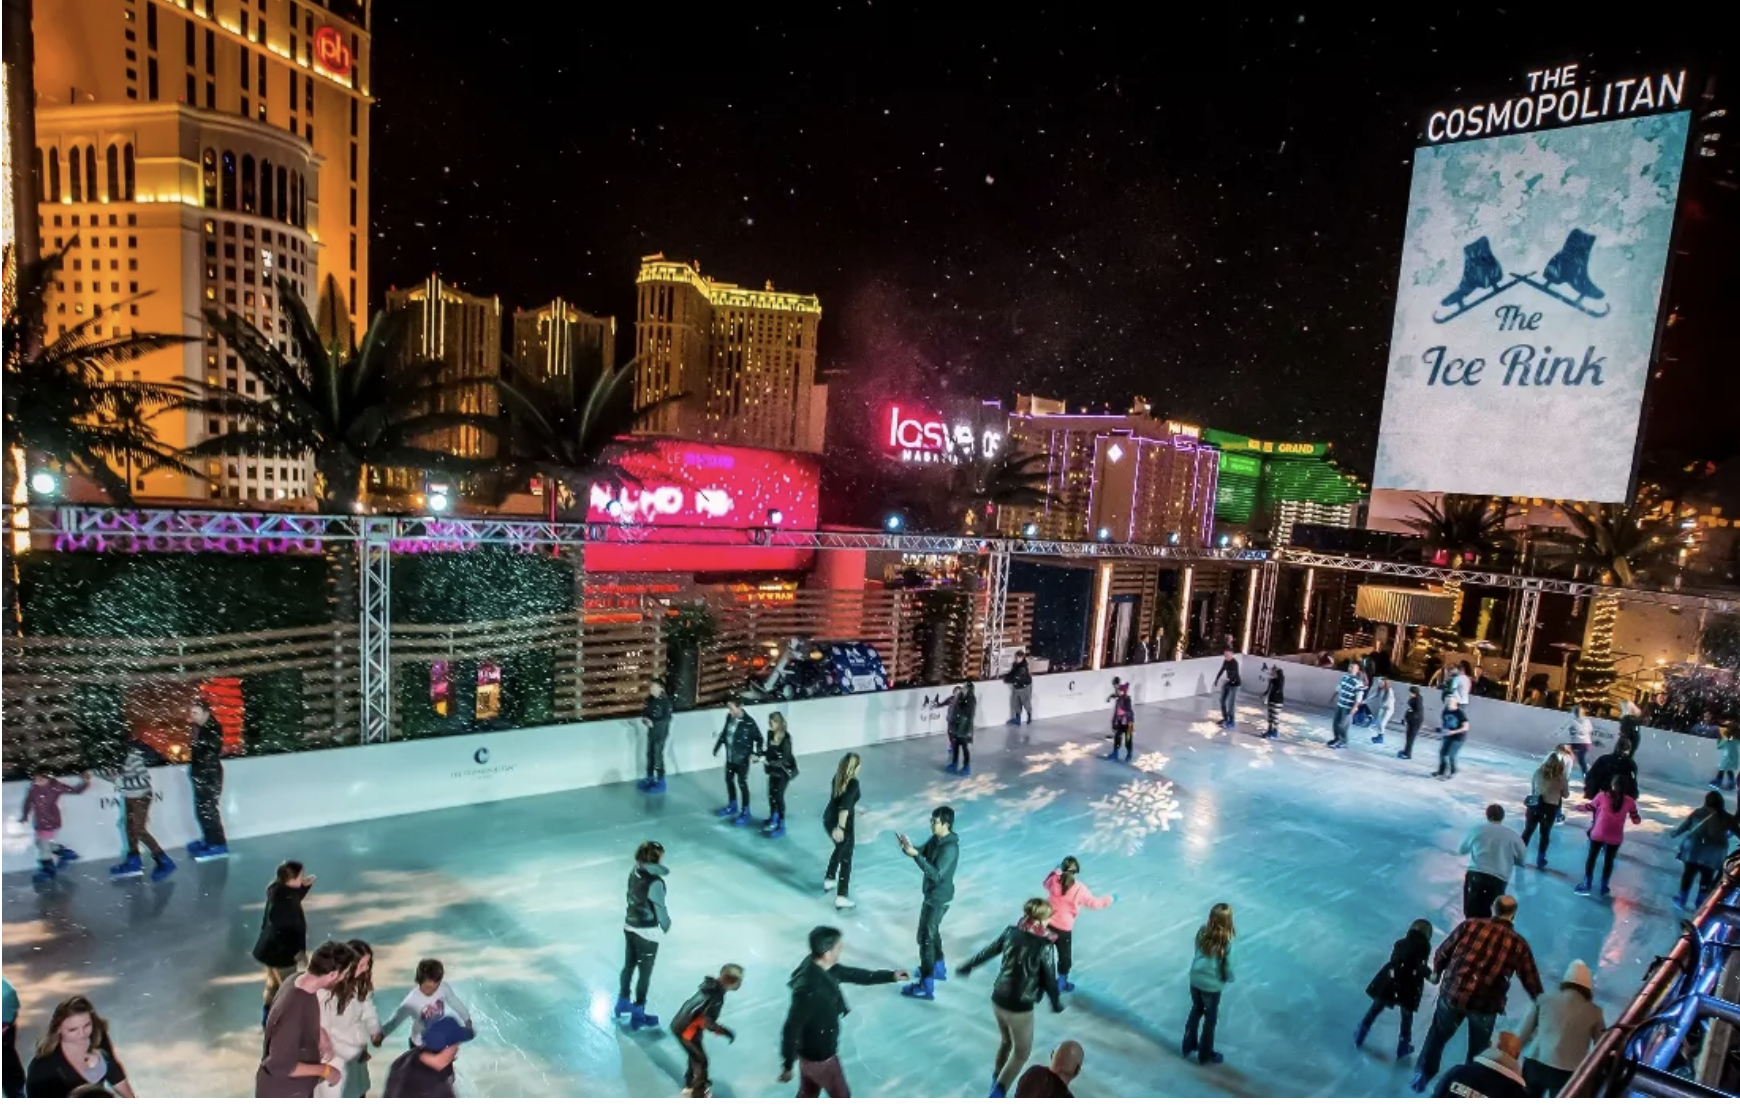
x,y
1399,984
428,1004
42,807
1068,897
699,1015
133,782
1123,721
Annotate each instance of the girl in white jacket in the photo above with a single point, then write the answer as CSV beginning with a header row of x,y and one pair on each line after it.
x,y
350,1024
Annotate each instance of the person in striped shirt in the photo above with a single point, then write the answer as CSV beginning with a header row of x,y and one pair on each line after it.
x,y
1348,697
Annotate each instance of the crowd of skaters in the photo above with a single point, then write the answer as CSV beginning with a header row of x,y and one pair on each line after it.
x,y
320,1023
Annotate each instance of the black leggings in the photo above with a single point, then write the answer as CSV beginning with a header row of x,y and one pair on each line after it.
x,y
640,954
840,863
1595,849
1542,816
1065,955
1704,875
776,784
695,1080
737,776
1121,738
960,751
208,795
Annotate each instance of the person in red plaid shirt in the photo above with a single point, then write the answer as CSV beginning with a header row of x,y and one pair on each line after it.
x,y
1475,965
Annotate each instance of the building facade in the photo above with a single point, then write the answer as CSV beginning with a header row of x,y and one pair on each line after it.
x,y
1267,487
735,365
194,150
563,347
463,333
1132,478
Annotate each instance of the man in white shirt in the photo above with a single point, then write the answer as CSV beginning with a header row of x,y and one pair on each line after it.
x,y
1494,851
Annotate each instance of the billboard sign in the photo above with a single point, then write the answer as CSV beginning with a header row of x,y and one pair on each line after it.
x,y
914,433
1525,319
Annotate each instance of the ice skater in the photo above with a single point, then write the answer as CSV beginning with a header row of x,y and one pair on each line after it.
x,y
740,739
1068,897
1579,737
839,818
1211,971
1274,699
1450,743
1020,682
283,940
295,1056
698,1016
1123,721
1382,710
1706,833
643,927
655,719
963,707
1606,834
1349,695
1559,1031
1227,680
205,775
1412,718
42,807
351,1025
426,1070
810,1040
132,783
937,861
1494,851
430,1002
1727,757
1028,971
1551,785
781,765
1400,984
1474,966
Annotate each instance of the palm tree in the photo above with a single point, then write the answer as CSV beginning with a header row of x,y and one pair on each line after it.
x,y
1613,544
347,407
964,495
566,441
1464,529
58,403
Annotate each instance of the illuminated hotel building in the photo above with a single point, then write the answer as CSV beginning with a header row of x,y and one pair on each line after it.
x,y
1140,479
563,347
1275,485
741,361
463,333
197,149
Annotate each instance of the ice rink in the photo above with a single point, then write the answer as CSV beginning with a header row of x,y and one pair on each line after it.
x,y
1325,856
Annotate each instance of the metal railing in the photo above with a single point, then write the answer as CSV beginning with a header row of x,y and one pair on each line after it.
x,y
1663,1044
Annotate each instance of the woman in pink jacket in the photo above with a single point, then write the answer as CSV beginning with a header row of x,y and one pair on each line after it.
x,y
1612,808
1068,896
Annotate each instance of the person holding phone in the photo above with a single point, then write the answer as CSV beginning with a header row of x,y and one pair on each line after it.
x,y
937,861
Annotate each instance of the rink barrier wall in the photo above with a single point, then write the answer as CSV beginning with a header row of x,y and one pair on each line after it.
x,y
273,794
1669,757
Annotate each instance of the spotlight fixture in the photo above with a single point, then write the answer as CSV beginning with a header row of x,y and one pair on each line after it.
x,y
438,499
613,508
775,517
894,522
1030,531
1103,534
43,483
1172,539
1223,542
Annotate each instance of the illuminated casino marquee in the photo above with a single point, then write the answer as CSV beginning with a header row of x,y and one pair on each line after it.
x,y
915,433
332,52
1555,96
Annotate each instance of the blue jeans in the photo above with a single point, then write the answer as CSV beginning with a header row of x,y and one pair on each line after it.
x,y
1445,1021
1204,1011
1229,695
1338,725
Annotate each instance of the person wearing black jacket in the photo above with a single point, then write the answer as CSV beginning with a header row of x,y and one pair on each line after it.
x,y
655,716
1228,681
781,766
963,707
811,1037
840,820
1616,764
740,739
1412,718
283,930
1274,699
643,925
937,861
698,1015
205,773
1028,971
1020,682
1399,984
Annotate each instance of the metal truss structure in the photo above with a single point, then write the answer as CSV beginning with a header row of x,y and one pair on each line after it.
x,y
996,606
1268,583
1523,643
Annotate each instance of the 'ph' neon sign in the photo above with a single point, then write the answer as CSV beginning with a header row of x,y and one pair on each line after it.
x,y
332,52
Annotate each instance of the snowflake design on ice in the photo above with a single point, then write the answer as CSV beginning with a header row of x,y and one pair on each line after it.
x,y
1649,804
1151,762
1124,820
980,786
1011,812
1207,729
1066,755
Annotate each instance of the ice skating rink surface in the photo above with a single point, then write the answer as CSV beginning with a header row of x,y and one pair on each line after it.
x,y
1325,856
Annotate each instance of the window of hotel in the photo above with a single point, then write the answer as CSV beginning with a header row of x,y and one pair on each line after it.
x,y
54,177
91,172
245,67
229,181
353,117
192,38
261,82
73,176
151,26
308,95
208,166
127,178
191,97
249,184
211,95
265,188
151,77
210,48
283,196
114,165
353,207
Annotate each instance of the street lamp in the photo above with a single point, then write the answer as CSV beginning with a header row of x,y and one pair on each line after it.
x,y
44,483
439,499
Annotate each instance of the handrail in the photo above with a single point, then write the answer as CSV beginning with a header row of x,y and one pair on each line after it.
x,y
1675,995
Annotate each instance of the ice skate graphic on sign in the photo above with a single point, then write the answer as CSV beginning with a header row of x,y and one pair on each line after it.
x,y
1480,270
1570,266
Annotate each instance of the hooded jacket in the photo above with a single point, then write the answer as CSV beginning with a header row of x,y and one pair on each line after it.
x,y
1020,676
1067,903
1706,843
1608,768
646,898
1028,970
42,803
937,860
1402,979
962,710
701,1012
740,742
812,1026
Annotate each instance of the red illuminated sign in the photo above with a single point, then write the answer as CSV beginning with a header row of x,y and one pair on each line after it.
x,y
716,494
332,52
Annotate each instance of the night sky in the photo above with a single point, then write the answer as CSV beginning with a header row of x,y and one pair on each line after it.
x,y
1203,209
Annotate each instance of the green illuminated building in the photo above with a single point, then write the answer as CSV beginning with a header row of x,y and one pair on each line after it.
x,y
1269,486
